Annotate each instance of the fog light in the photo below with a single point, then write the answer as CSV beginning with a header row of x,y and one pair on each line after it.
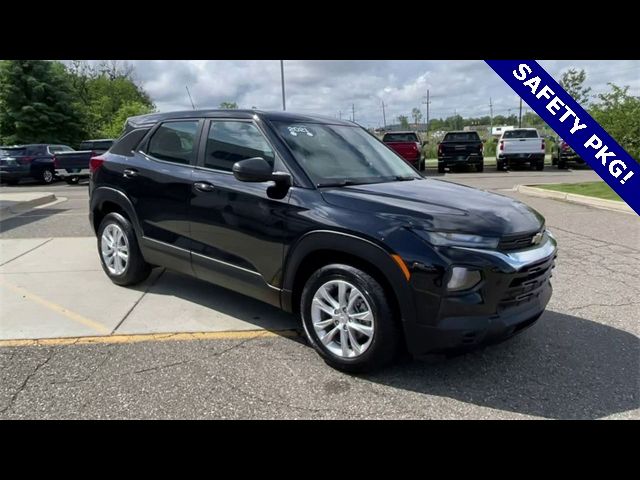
x,y
463,279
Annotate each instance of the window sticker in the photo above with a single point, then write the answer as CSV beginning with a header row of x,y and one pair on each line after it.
x,y
295,131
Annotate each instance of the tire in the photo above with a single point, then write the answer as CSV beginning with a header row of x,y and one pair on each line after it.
x,y
500,165
540,165
379,349
441,168
480,167
47,175
136,269
562,164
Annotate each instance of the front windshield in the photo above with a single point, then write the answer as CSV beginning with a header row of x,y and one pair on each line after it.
x,y
341,154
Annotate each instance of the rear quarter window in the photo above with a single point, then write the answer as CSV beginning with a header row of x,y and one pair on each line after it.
x,y
400,137
461,137
520,134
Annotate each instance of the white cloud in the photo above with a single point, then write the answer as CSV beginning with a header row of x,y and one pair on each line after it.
x,y
330,87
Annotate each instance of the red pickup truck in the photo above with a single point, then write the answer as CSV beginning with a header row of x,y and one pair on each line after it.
x,y
407,145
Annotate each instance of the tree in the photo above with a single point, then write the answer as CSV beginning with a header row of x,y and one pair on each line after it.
x,y
619,114
37,103
229,105
101,91
417,115
126,110
404,121
573,82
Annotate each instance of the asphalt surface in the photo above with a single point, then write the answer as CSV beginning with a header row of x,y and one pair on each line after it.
x,y
580,361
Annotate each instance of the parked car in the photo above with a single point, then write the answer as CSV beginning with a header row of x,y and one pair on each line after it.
x,y
520,146
407,145
562,155
460,149
35,161
73,166
317,217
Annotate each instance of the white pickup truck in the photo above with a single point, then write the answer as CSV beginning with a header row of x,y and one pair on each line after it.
x,y
518,146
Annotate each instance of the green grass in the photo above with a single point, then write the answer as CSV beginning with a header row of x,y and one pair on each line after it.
x,y
590,189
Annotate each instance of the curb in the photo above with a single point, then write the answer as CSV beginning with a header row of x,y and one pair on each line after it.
x,y
21,207
575,198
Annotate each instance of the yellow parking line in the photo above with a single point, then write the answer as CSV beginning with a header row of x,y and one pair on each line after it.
x,y
150,337
71,315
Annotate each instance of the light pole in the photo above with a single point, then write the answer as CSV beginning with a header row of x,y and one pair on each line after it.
x,y
284,105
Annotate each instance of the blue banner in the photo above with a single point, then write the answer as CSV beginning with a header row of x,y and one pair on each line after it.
x,y
574,125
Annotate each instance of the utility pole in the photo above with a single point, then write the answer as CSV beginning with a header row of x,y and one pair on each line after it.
x,y
520,115
284,105
190,99
384,116
353,112
428,102
491,115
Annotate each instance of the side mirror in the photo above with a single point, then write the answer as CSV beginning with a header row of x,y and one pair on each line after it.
x,y
258,170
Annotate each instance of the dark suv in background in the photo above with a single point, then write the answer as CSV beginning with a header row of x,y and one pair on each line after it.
x,y
318,217
24,161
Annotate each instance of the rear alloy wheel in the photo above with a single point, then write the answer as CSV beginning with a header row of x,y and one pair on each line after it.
x,y
47,175
348,320
120,255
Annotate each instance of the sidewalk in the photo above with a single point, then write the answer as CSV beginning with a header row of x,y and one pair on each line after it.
x,y
55,287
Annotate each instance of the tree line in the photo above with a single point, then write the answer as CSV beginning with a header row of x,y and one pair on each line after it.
x,y
51,102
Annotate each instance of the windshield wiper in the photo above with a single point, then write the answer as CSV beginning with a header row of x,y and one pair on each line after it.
x,y
406,178
338,183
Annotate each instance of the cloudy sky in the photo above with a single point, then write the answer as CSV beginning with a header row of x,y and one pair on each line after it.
x,y
332,87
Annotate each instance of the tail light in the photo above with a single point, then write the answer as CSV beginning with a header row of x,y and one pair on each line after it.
x,y
95,163
501,147
25,160
565,146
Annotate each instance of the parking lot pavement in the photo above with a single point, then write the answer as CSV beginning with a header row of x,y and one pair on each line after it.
x,y
581,360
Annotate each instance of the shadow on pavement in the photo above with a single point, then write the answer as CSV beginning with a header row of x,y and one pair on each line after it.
x,y
564,367
28,217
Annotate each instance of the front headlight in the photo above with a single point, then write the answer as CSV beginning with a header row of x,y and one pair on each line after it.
x,y
447,239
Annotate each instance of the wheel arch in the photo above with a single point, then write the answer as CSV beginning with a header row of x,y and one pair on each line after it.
x,y
105,200
319,248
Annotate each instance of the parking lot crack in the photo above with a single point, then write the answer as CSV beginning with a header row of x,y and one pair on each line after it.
x,y
582,307
161,367
23,386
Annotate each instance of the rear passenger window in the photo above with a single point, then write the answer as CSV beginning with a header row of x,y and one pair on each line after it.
x,y
174,142
229,142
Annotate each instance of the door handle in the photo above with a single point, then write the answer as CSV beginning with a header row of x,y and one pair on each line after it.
x,y
204,187
129,173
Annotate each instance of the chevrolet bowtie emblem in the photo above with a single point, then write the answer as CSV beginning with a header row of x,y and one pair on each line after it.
x,y
537,238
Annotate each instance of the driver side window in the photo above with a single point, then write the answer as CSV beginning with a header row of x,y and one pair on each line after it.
x,y
231,141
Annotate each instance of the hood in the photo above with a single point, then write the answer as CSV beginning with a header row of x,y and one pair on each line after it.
x,y
438,205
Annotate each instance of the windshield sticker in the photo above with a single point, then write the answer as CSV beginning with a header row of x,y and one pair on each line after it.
x,y
295,131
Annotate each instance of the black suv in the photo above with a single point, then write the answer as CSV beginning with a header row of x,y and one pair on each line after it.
x,y
318,217
35,161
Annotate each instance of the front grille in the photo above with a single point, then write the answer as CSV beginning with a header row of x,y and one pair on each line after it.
x,y
528,283
516,242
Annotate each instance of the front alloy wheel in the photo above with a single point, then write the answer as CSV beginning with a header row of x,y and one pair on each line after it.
x,y
342,319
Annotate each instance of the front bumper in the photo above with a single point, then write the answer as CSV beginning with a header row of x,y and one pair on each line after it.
x,y
512,295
